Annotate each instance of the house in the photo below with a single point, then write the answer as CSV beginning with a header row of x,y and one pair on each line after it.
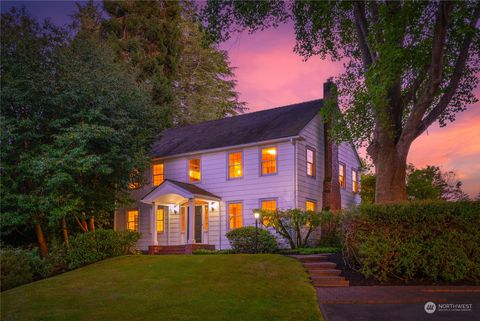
x,y
208,178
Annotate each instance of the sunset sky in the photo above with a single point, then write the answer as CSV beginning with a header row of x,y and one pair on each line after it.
x,y
270,74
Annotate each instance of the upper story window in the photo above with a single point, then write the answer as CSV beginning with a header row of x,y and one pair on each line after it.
x,y
132,220
342,178
194,174
134,179
160,220
235,213
269,160
310,205
355,181
235,165
311,162
158,173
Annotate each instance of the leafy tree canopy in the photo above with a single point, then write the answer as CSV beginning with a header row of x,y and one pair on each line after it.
x,y
408,64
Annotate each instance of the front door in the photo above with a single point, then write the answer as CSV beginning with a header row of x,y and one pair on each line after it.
x,y
198,224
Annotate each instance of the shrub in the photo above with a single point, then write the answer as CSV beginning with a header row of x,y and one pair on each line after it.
x,y
295,225
209,252
311,250
92,247
242,240
15,268
431,240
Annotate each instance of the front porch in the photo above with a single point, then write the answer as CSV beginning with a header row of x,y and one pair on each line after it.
x,y
180,217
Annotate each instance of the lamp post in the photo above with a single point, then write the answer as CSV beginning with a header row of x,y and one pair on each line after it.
x,y
256,215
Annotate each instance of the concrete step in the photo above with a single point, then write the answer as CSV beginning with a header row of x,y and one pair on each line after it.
x,y
315,272
321,278
330,283
319,265
312,258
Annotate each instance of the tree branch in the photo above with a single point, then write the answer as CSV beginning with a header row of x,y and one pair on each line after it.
x,y
435,74
362,33
454,80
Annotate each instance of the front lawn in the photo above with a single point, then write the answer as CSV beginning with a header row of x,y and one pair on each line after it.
x,y
197,287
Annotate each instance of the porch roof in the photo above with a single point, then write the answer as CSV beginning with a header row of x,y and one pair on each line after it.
x,y
186,190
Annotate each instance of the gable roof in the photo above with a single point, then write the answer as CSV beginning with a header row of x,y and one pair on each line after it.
x,y
280,122
189,188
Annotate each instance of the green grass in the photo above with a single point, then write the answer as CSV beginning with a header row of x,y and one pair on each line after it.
x,y
196,287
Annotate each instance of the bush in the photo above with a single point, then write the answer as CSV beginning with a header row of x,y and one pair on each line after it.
x,y
242,240
431,240
15,268
92,247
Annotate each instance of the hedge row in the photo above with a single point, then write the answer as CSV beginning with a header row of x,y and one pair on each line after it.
x,y
434,241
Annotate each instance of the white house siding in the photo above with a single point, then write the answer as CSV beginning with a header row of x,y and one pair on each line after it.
x,y
249,189
311,188
348,156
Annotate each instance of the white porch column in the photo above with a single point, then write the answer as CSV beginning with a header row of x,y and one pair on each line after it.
x,y
191,223
154,224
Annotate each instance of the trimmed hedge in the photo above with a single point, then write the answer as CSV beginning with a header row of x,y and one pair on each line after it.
x,y
242,240
431,240
87,248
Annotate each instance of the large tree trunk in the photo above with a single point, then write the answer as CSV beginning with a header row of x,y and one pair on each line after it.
x,y
42,244
65,232
391,166
91,224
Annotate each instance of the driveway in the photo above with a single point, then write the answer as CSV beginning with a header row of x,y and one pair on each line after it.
x,y
400,303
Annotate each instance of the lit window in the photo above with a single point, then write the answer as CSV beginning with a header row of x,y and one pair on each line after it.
x,y
194,170
354,181
158,173
311,206
205,218
310,162
160,220
235,166
268,205
235,214
132,220
269,160
341,175
183,214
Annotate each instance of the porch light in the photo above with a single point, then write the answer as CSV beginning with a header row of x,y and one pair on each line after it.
x,y
256,215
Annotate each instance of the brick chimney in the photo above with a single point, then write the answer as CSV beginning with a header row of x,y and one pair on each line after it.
x,y
331,185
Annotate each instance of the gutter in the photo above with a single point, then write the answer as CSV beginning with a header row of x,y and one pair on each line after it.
x,y
294,141
230,147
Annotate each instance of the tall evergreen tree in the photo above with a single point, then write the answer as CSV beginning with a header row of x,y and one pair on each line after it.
x,y
204,84
145,34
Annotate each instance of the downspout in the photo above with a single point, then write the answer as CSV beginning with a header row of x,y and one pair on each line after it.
x,y
220,221
294,141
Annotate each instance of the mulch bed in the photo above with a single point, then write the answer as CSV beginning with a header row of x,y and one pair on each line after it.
x,y
357,279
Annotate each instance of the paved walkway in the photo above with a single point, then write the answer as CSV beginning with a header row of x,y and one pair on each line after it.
x,y
398,303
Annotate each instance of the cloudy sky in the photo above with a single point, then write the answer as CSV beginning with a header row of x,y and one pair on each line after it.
x,y
270,74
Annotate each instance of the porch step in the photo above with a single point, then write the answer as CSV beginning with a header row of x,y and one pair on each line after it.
x,y
178,249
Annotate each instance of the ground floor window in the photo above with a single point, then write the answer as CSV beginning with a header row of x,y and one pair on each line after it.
x,y
268,205
160,220
205,218
311,205
183,218
235,213
132,220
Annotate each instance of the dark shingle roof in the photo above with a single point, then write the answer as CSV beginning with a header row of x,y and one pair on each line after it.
x,y
194,189
254,127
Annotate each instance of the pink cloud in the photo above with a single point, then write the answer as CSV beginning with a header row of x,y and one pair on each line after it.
x,y
270,74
